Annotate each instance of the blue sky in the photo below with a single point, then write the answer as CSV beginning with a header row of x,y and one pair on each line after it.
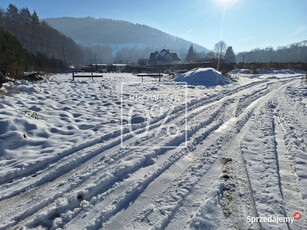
x,y
244,24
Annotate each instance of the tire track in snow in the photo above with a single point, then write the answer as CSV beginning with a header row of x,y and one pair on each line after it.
x,y
45,201
167,219
267,138
225,138
198,109
290,181
245,182
156,154
106,217
292,195
94,147
66,165
133,192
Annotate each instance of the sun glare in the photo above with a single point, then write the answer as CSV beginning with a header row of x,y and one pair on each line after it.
x,y
224,2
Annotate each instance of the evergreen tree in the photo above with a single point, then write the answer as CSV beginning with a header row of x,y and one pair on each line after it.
x,y
192,55
12,13
12,19
36,45
25,15
230,55
1,17
35,19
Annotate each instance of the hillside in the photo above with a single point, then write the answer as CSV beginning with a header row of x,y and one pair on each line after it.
x,y
16,58
118,34
38,37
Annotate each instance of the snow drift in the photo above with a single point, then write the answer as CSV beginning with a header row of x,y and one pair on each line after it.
x,y
203,76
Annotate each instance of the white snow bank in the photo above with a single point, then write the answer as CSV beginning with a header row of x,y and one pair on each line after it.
x,y
265,71
203,76
283,71
240,71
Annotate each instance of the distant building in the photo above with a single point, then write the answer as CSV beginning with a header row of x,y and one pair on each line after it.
x,y
102,68
163,57
118,67
94,68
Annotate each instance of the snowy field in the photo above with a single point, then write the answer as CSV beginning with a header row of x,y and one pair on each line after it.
x,y
115,153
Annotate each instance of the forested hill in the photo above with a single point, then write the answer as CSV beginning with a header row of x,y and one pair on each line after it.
x,y
37,36
16,58
91,31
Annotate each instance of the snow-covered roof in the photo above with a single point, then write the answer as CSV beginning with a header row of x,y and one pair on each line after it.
x,y
120,65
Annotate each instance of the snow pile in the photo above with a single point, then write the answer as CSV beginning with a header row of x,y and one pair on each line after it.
x,y
203,76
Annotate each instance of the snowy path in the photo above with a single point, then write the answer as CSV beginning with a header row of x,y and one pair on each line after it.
x,y
245,156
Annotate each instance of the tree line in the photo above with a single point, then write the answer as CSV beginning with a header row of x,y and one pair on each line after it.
x,y
293,53
221,51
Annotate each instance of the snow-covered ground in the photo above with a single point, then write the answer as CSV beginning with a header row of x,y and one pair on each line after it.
x,y
115,153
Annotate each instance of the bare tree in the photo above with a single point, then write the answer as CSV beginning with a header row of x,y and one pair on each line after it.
x,y
220,49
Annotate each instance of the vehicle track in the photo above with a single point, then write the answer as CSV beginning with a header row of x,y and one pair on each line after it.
x,y
40,174
145,214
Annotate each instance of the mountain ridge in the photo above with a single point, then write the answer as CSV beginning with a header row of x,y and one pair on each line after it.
x,y
104,31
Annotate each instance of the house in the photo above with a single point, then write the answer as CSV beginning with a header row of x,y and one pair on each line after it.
x,y
163,57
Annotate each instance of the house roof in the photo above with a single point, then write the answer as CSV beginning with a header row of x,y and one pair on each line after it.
x,y
175,56
152,55
160,55
163,52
